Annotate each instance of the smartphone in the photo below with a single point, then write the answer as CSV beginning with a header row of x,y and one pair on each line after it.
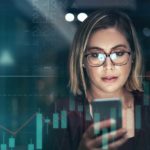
x,y
108,108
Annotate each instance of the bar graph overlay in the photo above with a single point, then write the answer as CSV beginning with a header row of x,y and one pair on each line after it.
x,y
11,143
138,117
31,146
146,93
39,125
10,140
59,120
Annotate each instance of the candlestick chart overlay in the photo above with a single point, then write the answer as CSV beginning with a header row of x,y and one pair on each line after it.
x,y
22,117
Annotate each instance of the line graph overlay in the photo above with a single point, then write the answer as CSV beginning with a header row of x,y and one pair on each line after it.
x,y
20,128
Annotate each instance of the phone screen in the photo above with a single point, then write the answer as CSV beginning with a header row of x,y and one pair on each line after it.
x,y
110,108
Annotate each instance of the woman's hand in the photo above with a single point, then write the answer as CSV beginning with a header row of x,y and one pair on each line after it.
x,y
107,141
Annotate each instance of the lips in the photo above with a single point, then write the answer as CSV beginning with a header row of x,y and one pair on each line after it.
x,y
109,78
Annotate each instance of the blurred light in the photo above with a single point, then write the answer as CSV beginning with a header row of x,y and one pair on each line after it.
x,y
69,17
6,58
53,11
82,16
146,32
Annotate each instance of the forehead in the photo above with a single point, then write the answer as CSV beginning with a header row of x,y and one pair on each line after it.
x,y
107,39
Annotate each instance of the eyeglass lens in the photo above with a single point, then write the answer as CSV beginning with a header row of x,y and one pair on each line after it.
x,y
117,58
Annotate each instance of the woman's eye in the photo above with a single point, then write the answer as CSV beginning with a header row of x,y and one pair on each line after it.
x,y
94,55
119,53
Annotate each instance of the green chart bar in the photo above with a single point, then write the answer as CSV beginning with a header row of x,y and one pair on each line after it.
x,y
80,108
3,147
146,93
31,146
87,113
39,131
138,117
71,103
88,117
55,121
114,116
11,142
63,119
104,139
96,118
47,121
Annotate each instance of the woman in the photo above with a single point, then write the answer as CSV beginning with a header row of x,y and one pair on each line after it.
x,y
105,62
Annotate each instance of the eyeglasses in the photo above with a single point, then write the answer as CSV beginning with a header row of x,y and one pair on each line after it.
x,y
118,58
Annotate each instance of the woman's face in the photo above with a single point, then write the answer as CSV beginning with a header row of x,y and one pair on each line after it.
x,y
108,78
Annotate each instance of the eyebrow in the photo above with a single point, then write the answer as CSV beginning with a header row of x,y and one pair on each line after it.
x,y
99,48
119,45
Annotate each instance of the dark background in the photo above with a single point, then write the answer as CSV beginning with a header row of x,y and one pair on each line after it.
x,y
35,41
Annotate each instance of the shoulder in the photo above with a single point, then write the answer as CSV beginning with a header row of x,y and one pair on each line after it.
x,y
141,98
138,97
142,110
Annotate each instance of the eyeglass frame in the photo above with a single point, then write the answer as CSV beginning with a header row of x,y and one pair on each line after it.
x,y
108,55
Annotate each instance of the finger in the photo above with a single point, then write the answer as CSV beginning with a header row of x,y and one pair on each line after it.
x,y
113,146
95,128
104,124
117,134
118,143
107,137
114,139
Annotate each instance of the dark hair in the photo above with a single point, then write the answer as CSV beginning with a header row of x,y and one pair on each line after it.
x,y
97,21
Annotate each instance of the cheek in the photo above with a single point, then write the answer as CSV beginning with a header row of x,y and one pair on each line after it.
x,y
125,71
92,72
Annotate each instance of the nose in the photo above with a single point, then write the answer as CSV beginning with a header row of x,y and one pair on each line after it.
x,y
108,65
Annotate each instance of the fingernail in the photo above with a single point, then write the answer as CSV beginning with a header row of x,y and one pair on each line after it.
x,y
113,133
112,121
96,128
97,125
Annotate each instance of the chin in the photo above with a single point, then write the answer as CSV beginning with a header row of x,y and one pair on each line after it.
x,y
111,90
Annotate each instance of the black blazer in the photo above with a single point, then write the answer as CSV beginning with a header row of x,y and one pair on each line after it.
x,y
79,120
